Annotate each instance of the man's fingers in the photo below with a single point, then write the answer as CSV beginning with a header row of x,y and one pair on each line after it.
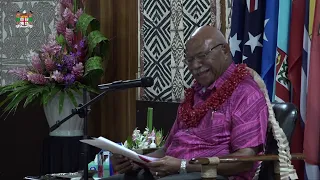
x,y
119,160
123,165
155,164
126,169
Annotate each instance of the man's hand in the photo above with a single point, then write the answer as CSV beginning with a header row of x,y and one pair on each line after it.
x,y
121,164
164,166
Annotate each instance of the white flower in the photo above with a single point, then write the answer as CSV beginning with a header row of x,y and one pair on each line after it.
x,y
146,132
125,144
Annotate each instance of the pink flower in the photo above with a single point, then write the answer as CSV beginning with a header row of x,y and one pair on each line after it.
x,y
77,70
79,13
61,27
37,78
37,64
49,64
57,76
52,47
66,4
69,35
21,73
69,17
152,134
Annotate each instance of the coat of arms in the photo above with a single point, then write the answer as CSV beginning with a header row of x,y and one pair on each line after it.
x,y
24,19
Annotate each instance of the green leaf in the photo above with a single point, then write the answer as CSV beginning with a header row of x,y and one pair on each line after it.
x,y
61,40
89,89
72,98
95,38
53,91
76,90
13,105
61,101
104,49
4,101
93,68
12,87
17,90
130,142
84,21
34,93
20,89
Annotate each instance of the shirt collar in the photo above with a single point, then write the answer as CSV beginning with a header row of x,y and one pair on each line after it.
x,y
216,84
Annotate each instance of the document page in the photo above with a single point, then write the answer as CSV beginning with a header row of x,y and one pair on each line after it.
x,y
115,148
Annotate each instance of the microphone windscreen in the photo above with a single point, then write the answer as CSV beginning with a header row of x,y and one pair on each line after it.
x,y
147,81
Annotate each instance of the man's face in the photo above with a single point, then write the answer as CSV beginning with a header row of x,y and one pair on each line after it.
x,y
206,62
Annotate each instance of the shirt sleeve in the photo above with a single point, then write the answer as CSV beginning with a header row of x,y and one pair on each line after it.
x,y
249,121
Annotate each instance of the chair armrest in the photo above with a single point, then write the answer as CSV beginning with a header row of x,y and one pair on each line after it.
x,y
232,159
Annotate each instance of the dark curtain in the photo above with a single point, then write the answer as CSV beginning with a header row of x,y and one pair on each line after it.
x,y
114,116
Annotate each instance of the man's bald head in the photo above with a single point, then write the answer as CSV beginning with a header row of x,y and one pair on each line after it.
x,y
207,54
205,36
208,33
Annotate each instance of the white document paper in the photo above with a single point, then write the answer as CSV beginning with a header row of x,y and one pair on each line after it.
x,y
115,148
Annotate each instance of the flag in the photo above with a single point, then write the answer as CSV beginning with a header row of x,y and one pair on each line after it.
x,y
312,122
246,35
311,171
282,82
269,45
295,52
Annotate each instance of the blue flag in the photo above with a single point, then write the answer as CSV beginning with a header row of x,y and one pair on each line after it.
x,y
270,46
246,35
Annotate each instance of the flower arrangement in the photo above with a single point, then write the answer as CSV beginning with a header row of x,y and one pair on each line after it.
x,y
143,140
69,61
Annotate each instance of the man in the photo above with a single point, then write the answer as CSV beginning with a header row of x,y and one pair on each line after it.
x,y
223,114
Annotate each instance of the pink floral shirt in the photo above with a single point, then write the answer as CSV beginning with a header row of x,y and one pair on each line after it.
x,y
241,122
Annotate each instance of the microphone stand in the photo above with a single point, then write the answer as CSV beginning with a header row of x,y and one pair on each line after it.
x,y
82,111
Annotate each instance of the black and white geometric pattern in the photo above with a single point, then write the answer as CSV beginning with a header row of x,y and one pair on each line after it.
x,y
15,44
196,13
156,57
228,17
165,27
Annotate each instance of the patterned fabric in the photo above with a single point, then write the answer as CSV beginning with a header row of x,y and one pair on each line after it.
x,y
241,122
165,26
15,44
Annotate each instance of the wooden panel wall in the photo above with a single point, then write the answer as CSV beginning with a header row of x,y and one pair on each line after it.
x,y
119,22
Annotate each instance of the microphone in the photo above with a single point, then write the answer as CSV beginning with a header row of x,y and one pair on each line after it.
x,y
142,82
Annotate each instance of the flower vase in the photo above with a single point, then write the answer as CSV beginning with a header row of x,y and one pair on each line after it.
x,y
70,128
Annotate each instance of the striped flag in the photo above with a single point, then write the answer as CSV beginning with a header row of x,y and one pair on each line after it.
x,y
294,74
269,45
312,121
246,36
282,82
304,75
